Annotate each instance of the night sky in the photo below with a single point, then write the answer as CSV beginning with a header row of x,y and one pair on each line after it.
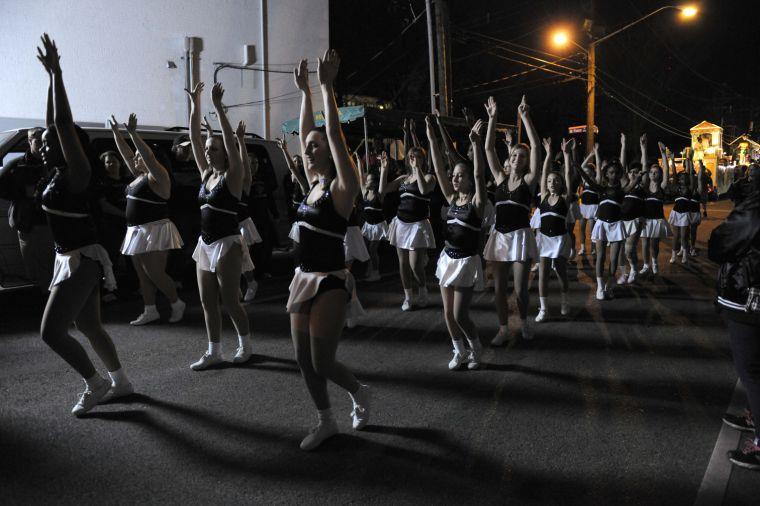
x,y
675,73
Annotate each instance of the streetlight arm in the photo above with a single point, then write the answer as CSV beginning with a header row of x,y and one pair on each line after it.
x,y
665,7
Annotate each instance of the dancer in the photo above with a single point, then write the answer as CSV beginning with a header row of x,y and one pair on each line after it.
x,y
375,228
410,230
221,255
695,208
680,216
553,238
460,268
511,243
80,261
632,212
609,229
322,287
589,201
655,225
300,189
150,233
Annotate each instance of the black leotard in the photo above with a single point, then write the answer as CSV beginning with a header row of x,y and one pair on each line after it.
x,y
68,215
589,197
144,205
219,210
373,210
633,204
321,232
610,202
414,206
553,217
512,207
653,204
683,201
462,231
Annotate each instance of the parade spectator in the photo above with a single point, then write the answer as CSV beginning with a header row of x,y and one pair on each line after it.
x,y
113,204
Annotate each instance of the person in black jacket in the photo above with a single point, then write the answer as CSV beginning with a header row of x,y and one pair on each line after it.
x,y
735,244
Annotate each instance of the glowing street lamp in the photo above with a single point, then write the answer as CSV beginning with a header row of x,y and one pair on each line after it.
x,y
560,38
689,11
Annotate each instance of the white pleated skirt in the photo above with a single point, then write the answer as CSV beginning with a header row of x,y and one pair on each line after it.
x,y
160,235
354,247
375,232
460,272
411,236
656,228
67,263
516,246
207,256
588,211
305,285
535,219
294,232
608,231
553,246
633,226
250,232
678,219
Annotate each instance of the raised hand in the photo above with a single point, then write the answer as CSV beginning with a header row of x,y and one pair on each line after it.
x,y
643,140
301,75
240,130
49,58
468,116
547,143
205,124
412,126
491,108
196,93
131,124
327,67
479,126
383,161
508,137
622,138
405,126
429,125
596,148
113,124
523,108
475,131
217,92
662,146
568,145
282,143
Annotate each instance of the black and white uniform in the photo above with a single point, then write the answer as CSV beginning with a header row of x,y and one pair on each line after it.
x,y
552,238
609,225
632,210
680,215
655,225
320,255
148,225
73,229
410,229
247,227
589,202
511,239
375,227
220,230
353,243
535,219
695,209
459,263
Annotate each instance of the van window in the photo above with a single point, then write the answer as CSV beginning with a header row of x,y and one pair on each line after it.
x,y
18,149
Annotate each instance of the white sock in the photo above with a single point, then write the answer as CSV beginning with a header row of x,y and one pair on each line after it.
x,y
654,261
150,309
94,381
600,283
215,348
244,341
176,303
543,303
408,293
325,415
459,346
118,377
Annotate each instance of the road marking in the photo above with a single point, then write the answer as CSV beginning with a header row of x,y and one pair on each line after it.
x,y
715,481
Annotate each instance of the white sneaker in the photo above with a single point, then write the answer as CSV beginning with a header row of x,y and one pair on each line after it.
x,y
250,293
360,413
206,361
622,279
564,309
473,358
350,322
146,317
116,391
423,299
373,276
527,331
325,429
631,277
242,355
644,270
655,268
500,338
673,257
582,251
90,398
406,305
685,257
457,361
599,293
542,315
534,268
178,311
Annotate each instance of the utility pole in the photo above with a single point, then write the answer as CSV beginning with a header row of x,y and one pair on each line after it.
x,y
431,52
590,97
443,54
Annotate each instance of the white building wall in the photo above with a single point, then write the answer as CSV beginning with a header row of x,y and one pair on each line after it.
x,y
114,57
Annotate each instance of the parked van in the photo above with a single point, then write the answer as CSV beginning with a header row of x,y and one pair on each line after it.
x,y
13,144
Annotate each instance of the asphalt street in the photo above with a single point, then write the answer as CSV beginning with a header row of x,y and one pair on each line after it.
x,y
620,403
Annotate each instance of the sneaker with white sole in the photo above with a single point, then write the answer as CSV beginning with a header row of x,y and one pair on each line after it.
x,y
360,413
542,315
242,355
631,277
500,338
622,279
90,398
406,305
457,361
685,257
644,271
120,390
743,422
564,309
250,293
146,317
178,311
655,268
582,251
325,429
473,357
206,361
748,457
673,256
534,268
600,293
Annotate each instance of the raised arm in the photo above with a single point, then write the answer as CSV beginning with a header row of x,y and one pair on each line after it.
x,y
243,150
438,164
568,148
347,176
491,156
623,157
413,133
207,127
509,140
643,146
77,163
196,139
306,118
598,160
452,154
156,171
547,143
478,165
300,177
235,168
49,108
665,169
688,167
121,144
535,142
